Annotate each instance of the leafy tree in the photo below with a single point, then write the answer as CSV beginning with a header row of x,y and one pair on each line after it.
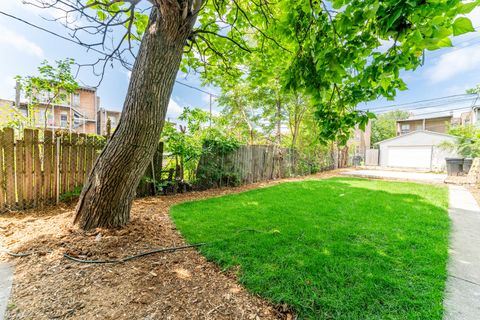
x,y
468,140
475,90
384,126
186,144
11,117
52,86
241,113
340,59
329,53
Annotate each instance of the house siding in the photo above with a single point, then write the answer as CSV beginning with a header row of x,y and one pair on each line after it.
x,y
87,103
102,117
439,125
420,139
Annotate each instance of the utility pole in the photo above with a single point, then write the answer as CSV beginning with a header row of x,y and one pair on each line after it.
x,y
17,95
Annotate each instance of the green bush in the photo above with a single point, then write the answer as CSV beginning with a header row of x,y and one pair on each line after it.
x,y
71,195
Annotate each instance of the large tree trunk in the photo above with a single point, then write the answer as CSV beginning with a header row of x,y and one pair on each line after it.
x,y
107,196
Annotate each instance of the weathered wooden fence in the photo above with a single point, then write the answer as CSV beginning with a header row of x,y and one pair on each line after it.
x,y
254,163
39,166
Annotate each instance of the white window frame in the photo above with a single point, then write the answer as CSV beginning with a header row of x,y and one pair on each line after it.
x,y
76,99
405,128
64,113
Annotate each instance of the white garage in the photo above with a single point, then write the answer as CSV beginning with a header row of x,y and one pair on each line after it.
x,y
416,150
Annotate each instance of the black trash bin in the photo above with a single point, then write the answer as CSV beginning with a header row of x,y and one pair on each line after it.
x,y
454,166
467,164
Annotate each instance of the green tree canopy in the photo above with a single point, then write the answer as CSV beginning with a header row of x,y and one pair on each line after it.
x,y
384,126
337,53
468,140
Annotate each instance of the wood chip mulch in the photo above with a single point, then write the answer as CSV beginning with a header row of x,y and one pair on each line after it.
x,y
178,285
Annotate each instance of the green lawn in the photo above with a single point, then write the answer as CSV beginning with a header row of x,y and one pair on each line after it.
x,y
340,248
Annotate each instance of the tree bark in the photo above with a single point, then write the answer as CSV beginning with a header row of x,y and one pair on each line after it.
x,y
279,121
106,198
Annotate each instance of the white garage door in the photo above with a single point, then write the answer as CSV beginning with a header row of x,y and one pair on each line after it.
x,y
410,157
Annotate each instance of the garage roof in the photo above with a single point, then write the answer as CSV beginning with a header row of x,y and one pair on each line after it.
x,y
416,118
417,132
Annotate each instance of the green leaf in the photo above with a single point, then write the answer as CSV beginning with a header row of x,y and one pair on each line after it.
x,y
445,42
337,4
462,25
465,8
101,15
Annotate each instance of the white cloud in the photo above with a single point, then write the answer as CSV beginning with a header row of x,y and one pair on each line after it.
x,y
7,88
19,42
174,109
454,63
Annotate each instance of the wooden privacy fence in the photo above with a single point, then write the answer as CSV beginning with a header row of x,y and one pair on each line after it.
x,y
254,163
36,170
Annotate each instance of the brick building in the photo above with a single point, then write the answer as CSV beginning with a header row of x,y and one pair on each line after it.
x,y
80,112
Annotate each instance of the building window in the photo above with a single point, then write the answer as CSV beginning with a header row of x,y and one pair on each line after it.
x,y
63,120
76,99
43,96
41,118
405,128
113,122
50,118
24,112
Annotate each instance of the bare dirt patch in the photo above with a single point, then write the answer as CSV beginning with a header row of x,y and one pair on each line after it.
x,y
178,285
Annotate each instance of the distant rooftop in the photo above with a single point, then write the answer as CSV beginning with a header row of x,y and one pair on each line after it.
x,y
420,117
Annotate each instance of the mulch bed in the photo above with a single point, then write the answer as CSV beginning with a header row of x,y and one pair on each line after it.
x,y
177,285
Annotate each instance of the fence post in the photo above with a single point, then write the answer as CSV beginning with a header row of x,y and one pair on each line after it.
x,y
72,168
37,171
2,186
57,171
47,165
9,145
20,173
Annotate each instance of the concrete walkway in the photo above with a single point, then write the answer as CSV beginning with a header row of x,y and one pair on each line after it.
x,y
462,300
397,175
6,277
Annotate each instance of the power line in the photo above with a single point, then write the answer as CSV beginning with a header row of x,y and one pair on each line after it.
x,y
464,95
192,87
88,47
177,81
444,111
431,106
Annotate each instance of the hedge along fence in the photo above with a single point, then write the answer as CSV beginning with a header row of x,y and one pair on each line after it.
x,y
255,163
40,166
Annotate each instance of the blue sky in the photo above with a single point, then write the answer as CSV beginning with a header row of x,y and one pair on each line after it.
x,y
446,72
